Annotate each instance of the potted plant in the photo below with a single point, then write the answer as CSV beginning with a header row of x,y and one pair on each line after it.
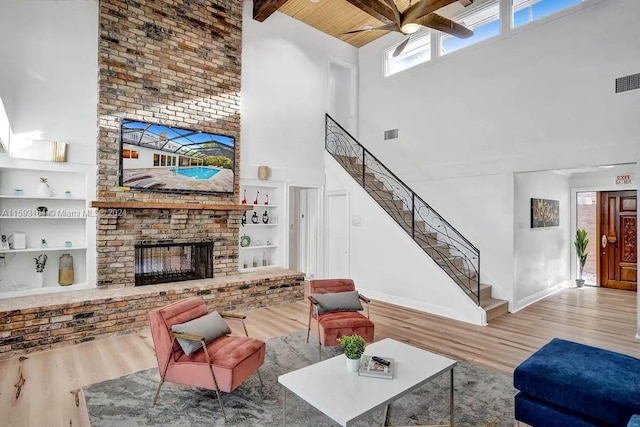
x,y
353,346
43,243
581,243
41,261
43,188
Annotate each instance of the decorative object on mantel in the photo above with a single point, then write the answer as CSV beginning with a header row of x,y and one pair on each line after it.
x,y
244,199
41,262
42,211
263,172
65,270
265,218
245,241
581,243
254,218
353,346
267,201
43,243
43,188
244,218
255,202
18,192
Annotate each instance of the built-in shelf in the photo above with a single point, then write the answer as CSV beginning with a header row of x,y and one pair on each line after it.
x,y
259,247
168,205
40,198
43,217
259,225
47,249
262,206
248,269
45,290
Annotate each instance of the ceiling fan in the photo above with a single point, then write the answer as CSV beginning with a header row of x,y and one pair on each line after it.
x,y
420,14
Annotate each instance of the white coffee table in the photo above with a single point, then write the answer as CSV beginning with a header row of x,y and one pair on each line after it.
x,y
346,397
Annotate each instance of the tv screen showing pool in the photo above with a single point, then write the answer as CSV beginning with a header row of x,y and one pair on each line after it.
x,y
165,158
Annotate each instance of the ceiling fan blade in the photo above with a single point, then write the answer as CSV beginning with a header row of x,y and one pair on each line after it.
x,y
422,8
401,46
387,27
394,8
445,25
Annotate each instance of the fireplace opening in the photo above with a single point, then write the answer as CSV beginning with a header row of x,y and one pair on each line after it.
x,y
166,261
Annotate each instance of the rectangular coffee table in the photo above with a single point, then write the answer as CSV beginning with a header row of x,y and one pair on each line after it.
x,y
346,397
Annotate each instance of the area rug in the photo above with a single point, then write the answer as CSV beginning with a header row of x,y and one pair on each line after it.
x,y
482,397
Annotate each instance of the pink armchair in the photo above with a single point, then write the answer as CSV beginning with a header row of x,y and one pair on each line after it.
x,y
335,324
226,363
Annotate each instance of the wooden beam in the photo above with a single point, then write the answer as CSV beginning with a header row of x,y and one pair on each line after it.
x,y
376,9
131,204
262,9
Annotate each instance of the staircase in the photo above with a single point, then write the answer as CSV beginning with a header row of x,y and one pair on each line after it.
x,y
450,250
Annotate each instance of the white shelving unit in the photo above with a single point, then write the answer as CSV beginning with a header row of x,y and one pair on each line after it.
x,y
260,255
68,218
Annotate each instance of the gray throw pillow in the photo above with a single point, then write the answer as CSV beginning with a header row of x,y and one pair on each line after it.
x,y
339,301
210,326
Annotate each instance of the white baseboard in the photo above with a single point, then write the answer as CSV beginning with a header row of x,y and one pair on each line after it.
x,y
525,302
475,315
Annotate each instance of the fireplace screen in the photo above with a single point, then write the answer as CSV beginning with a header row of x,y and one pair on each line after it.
x,y
173,262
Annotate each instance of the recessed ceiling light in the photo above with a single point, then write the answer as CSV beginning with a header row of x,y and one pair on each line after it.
x,y
314,1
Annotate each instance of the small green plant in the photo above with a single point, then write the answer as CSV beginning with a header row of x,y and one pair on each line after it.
x,y
41,261
581,243
353,346
44,180
43,241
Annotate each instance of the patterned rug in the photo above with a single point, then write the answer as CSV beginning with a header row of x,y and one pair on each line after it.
x,y
482,397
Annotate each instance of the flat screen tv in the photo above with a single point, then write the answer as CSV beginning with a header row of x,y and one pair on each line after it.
x,y
169,159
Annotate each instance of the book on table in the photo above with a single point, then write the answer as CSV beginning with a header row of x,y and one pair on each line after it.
x,y
372,368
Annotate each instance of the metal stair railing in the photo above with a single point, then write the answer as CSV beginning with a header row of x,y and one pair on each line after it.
x,y
453,252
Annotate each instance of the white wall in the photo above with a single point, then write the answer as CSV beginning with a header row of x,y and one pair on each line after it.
x,y
49,72
285,77
541,98
387,265
541,255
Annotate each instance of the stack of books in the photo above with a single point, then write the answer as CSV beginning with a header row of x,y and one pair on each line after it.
x,y
376,366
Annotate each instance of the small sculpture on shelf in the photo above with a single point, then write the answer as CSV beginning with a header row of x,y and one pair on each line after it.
x,y
4,244
254,218
18,192
67,194
43,188
43,243
244,218
255,202
42,211
267,201
244,199
265,218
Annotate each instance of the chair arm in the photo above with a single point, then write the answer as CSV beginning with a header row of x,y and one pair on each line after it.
x,y
190,337
313,300
233,315
363,298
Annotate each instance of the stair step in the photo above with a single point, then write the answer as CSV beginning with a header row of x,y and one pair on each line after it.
x,y
485,292
494,307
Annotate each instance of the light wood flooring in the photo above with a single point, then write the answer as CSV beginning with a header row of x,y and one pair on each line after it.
x,y
51,394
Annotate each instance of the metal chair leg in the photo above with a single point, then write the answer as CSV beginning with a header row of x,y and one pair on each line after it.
x,y
309,325
164,371
215,383
260,377
155,399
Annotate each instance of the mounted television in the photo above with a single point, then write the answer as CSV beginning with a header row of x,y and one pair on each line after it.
x,y
169,159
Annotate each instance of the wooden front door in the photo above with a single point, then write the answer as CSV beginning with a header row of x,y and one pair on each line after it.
x,y
618,240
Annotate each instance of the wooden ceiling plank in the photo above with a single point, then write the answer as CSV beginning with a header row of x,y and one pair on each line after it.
x,y
262,9
375,9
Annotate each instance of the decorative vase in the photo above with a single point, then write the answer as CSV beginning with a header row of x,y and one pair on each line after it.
x,y
65,270
580,282
44,190
39,280
352,365
254,218
265,218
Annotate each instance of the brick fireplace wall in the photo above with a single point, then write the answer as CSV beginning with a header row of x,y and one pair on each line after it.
x,y
176,63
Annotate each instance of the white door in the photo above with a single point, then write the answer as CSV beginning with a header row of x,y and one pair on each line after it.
x,y
337,235
343,93
303,230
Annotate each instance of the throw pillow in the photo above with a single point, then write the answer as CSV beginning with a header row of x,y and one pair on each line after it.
x,y
210,326
340,301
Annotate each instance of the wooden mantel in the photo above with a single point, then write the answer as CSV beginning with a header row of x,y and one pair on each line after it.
x,y
132,204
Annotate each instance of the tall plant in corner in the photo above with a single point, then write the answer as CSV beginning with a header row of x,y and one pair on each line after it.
x,y
581,243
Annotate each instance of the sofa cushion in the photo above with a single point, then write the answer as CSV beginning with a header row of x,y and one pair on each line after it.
x,y
340,301
536,412
634,421
601,384
210,326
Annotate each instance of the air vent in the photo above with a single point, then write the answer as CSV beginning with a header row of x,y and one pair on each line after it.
x,y
626,83
390,134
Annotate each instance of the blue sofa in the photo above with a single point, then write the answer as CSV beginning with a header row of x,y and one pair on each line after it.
x,y
566,384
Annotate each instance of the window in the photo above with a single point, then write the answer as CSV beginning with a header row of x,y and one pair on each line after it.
x,y
417,51
163,160
129,154
483,20
156,160
525,11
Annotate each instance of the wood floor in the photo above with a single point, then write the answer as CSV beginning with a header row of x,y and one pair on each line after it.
x,y
51,394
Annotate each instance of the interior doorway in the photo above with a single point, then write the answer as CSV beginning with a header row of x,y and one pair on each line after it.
x,y
337,232
618,223
304,242
343,94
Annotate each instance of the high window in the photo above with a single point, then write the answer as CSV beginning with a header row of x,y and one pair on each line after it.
x,y
525,11
417,52
484,21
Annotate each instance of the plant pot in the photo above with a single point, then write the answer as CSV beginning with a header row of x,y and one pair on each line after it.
x,y
39,280
44,190
352,365
579,283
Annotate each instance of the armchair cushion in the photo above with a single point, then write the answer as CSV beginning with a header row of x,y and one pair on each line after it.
x,y
210,326
340,301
